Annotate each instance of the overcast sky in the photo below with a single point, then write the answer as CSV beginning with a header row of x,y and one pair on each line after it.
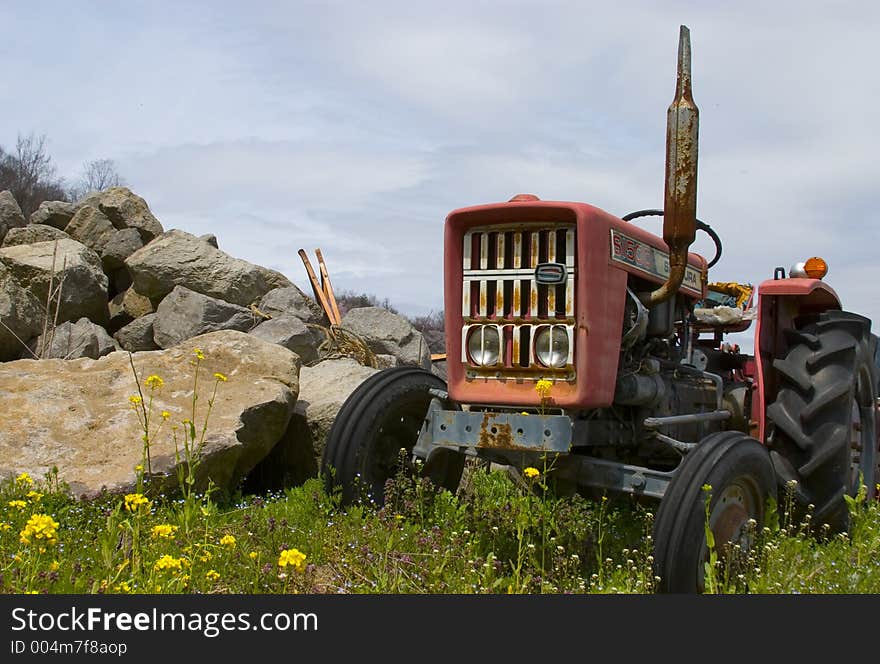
x,y
356,127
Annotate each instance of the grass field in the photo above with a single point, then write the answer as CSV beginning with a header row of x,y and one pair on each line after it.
x,y
493,536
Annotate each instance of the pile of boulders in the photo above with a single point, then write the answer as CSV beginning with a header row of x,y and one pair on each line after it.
x,y
95,292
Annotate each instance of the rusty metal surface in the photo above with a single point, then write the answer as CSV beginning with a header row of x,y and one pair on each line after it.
x,y
507,431
680,197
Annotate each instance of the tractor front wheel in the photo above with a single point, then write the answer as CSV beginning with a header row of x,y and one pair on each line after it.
x,y
734,474
379,419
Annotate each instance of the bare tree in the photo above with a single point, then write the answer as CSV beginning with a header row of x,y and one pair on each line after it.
x,y
348,300
98,175
30,174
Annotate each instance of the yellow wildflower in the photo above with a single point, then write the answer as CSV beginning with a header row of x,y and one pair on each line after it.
x,y
531,472
154,382
205,557
122,587
20,504
4,527
134,399
164,531
212,575
253,555
54,565
220,377
543,387
292,557
34,496
167,562
228,540
24,478
40,527
165,414
135,501
138,468
198,353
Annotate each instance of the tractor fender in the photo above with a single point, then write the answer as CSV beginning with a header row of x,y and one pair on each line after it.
x,y
781,302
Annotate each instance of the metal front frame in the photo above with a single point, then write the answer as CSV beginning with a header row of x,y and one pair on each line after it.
x,y
500,435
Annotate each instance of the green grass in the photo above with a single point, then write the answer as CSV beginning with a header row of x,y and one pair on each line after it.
x,y
493,536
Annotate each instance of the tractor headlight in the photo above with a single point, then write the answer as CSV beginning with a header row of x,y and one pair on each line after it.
x,y
484,345
551,346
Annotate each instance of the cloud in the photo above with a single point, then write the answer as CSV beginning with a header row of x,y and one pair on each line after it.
x,y
357,127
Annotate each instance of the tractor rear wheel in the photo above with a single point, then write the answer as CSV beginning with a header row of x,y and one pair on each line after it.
x,y
379,419
736,472
824,433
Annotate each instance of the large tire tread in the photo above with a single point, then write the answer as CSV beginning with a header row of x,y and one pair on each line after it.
x,y
812,413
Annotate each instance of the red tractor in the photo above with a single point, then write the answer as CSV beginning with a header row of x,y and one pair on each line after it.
x,y
575,336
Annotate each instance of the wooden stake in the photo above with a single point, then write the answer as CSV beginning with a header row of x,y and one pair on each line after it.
x,y
316,287
327,286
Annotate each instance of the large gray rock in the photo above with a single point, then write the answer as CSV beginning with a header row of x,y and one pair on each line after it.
x,y
386,333
387,361
184,314
72,341
10,214
31,234
177,258
21,317
440,370
436,340
125,209
76,415
138,334
66,262
54,213
91,227
291,301
120,246
289,332
323,389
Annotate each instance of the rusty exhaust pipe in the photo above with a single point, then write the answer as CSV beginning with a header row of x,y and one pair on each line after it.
x,y
680,198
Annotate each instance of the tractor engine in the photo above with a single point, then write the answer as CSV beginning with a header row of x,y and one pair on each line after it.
x,y
560,292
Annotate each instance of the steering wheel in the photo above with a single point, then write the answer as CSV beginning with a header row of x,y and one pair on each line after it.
x,y
706,228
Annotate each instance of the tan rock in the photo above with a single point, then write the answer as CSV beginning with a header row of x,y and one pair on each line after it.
x,y
324,387
126,210
77,268
76,415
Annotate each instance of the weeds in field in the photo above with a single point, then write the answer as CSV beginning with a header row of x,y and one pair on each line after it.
x,y
497,537
188,436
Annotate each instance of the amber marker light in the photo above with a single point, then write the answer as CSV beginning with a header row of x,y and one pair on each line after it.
x,y
815,267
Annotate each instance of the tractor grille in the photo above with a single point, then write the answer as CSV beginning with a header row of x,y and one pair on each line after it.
x,y
499,288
